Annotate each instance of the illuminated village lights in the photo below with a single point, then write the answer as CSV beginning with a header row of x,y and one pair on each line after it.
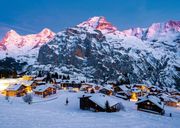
x,y
4,83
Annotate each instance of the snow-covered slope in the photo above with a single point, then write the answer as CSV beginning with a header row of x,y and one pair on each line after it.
x,y
15,45
145,55
47,113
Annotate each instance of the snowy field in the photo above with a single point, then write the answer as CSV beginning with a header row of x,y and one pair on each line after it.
x,y
46,113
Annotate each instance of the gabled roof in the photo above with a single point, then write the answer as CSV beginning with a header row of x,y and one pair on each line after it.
x,y
101,100
40,78
136,90
13,87
107,87
152,99
27,83
123,87
58,80
42,88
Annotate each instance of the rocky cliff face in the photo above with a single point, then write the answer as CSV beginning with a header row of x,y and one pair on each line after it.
x,y
95,47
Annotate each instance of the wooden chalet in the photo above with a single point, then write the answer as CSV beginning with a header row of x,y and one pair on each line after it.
x,y
171,102
89,87
123,95
113,83
107,90
15,90
98,103
45,90
38,83
28,77
28,85
142,87
155,90
71,85
151,104
121,88
39,79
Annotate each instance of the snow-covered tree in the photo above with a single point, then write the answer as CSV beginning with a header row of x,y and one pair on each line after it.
x,y
28,98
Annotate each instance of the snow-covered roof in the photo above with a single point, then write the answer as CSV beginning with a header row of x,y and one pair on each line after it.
x,y
136,90
42,88
41,82
140,85
13,87
153,99
108,87
101,100
173,100
39,78
123,87
71,80
27,83
58,80
91,84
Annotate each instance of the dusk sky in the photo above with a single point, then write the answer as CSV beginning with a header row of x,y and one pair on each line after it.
x,y
30,16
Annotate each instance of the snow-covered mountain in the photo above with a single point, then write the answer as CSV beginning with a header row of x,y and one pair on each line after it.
x,y
98,49
15,45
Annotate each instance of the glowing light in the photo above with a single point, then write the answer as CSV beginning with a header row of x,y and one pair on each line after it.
x,y
4,83
134,97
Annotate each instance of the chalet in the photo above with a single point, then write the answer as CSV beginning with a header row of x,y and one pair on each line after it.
x,y
28,85
142,87
107,90
123,95
38,83
99,103
72,85
88,87
113,83
151,104
121,88
155,90
15,90
28,77
45,90
39,79
171,102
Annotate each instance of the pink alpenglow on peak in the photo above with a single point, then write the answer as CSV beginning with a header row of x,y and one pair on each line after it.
x,y
175,25
98,23
13,40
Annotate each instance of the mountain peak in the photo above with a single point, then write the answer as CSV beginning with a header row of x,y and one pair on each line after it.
x,y
98,23
12,33
46,33
13,40
173,25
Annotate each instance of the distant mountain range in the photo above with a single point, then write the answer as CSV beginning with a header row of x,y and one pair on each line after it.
x,y
98,49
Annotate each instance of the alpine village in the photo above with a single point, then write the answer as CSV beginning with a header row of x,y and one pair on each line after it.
x,y
97,96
